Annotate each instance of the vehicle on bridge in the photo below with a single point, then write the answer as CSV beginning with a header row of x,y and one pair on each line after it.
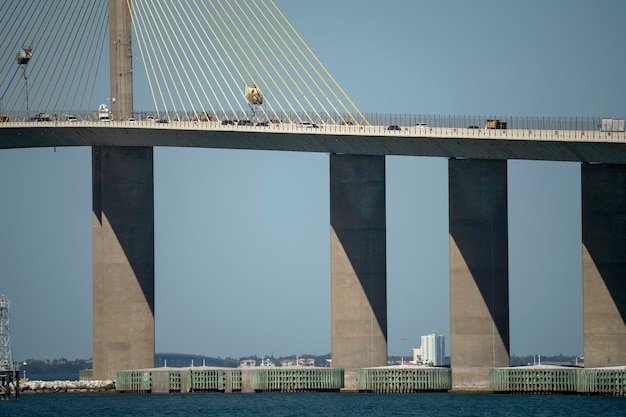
x,y
103,113
495,124
612,125
68,118
4,118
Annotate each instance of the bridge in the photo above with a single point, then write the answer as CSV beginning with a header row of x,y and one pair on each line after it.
x,y
123,196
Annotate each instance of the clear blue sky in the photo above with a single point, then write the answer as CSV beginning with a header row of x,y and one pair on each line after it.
x,y
242,237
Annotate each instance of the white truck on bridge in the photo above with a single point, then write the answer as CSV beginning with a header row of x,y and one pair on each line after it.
x,y
612,125
103,113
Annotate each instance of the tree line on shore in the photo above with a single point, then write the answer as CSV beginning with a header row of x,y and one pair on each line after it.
x,y
65,366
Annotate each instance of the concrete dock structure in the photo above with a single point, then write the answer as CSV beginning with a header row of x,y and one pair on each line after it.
x,y
604,262
358,263
479,295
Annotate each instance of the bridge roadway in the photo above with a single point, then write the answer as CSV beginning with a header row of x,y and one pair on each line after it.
x,y
123,232
548,145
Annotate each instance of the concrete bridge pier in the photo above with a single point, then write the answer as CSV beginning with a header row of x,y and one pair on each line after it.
x,y
123,259
604,264
479,273
358,263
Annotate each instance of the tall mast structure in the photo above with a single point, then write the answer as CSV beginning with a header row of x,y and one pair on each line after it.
x,y
121,59
6,354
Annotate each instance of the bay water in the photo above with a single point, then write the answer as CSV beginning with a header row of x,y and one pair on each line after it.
x,y
310,404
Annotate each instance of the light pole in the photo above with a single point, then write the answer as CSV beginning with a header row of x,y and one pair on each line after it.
x,y
402,347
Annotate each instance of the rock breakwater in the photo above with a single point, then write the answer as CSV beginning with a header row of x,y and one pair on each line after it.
x,y
67,386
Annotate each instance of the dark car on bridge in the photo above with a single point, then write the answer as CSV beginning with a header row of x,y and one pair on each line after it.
x,y
393,127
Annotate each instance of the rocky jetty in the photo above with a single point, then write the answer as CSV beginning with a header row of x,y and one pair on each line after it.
x,y
67,386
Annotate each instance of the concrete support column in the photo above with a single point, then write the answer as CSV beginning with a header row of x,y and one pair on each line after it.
x,y
604,264
123,259
120,59
479,272
358,263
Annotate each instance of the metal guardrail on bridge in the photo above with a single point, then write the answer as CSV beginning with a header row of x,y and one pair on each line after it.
x,y
528,134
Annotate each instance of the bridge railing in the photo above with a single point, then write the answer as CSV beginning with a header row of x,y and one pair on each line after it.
x,y
477,121
512,128
370,119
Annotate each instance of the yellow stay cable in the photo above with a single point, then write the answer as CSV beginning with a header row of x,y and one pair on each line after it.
x,y
291,51
196,48
10,43
68,68
182,64
42,45
242,78
257,58
301,65
146,58
21,89
160,60
222,62
97,56
10,48
324,68
199,49
237,95
271,49
170,61
90,47
203,53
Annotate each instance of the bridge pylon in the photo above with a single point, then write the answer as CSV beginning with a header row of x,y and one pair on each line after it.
x,y
121,59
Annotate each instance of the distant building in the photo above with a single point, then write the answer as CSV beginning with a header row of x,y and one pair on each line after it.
x,y
433,349
246,363
417,355
298,362
288,362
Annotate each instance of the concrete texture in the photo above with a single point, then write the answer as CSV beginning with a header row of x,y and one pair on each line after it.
x,y
246,380
604,264
479,303
161,381
120,60
123,260
183,134
358,263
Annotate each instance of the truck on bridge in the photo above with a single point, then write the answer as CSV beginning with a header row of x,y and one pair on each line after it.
x,y
103,113
612,125
495,124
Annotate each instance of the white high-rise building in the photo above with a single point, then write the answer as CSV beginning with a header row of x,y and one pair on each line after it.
x,y
433,349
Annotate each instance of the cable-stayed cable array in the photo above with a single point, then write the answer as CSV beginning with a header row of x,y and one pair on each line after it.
x,y
66,39
233,58
192,60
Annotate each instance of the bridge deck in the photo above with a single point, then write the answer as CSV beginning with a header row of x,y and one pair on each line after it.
x,y
552,145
